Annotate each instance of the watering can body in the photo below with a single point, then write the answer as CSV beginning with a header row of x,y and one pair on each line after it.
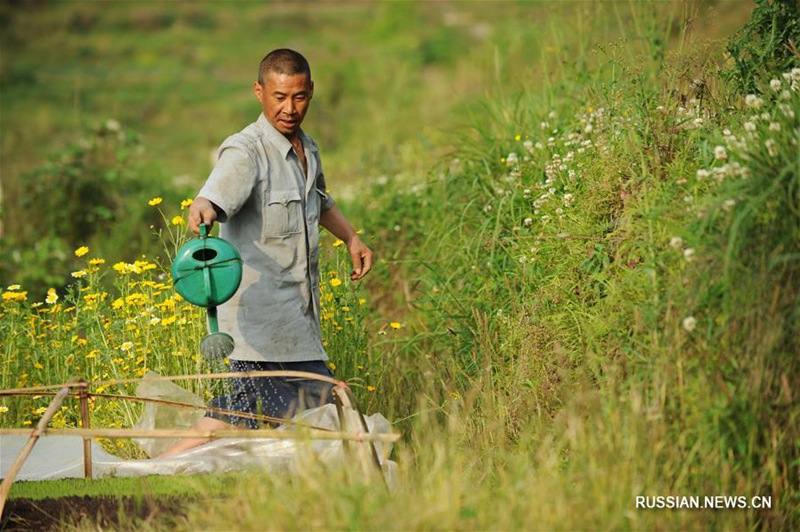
x,y
207,270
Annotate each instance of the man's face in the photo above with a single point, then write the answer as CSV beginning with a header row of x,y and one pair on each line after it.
x,y
285,99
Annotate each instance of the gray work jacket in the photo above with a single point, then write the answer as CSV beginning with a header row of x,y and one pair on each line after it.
x,y
270,213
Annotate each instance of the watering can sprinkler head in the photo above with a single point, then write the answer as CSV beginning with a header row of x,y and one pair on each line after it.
x,y
207,272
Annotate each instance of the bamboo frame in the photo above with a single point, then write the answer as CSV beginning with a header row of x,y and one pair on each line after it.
x,y
343,397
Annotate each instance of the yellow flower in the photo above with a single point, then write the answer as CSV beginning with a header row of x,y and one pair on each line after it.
x,y
126,346
78,274
517,137
95,262
177,220
185,203
361,300
14,287
81,251
15,296
155,201
395,325
371,388
335,282
332,366
92,353
140,266
338,243
345,309
3,409
52,297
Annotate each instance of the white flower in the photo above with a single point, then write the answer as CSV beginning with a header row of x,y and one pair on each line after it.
x,y
772,148
775,84
512,158
787,110
689,323
749,126
728,204
720,154
752,101
688,254
528,145
528,222
702,174
774,126
676,242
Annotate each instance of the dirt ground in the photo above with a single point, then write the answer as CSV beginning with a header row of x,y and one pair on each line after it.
x,y
104,512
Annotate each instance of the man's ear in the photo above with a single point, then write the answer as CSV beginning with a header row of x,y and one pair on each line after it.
x,y
311,90
258,90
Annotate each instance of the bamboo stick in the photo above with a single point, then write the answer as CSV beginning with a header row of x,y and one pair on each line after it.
x,y
55,404
195,377
83,396
313,434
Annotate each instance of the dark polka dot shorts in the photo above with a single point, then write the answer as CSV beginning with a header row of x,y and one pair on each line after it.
x,y
278,397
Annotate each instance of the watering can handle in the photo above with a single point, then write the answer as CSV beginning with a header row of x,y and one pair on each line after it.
x,y
203,230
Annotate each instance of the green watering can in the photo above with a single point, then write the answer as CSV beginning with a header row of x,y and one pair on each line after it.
x,y
207,272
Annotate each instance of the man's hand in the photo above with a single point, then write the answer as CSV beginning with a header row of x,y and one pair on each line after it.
x,y
334,221
361,256
201,211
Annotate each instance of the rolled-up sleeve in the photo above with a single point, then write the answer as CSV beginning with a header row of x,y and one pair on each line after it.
x,y
231,181
327,202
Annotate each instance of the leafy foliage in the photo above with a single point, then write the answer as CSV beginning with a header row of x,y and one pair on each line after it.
x,y
767,45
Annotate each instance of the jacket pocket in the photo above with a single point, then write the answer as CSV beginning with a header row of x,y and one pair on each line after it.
x,y
283,213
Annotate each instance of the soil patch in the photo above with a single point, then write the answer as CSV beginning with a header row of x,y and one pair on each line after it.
x,y
105,512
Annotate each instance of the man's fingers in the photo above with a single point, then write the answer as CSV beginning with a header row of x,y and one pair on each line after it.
x,y
356,257
201,211
366,264
362,262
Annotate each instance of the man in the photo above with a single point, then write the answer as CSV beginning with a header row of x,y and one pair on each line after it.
x,y
269,190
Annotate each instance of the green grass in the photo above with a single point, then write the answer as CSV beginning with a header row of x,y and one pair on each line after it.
x,y
152,486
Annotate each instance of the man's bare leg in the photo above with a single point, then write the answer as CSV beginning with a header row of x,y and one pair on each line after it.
x,y
205,424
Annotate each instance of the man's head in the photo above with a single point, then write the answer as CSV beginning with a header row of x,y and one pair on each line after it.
x,y
284,88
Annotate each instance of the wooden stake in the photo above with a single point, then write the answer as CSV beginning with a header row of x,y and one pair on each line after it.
x,y
83,397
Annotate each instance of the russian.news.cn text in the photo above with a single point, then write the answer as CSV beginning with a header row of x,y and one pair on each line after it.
x,y
703,502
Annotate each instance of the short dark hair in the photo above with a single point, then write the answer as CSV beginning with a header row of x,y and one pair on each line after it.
x,y
283,61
